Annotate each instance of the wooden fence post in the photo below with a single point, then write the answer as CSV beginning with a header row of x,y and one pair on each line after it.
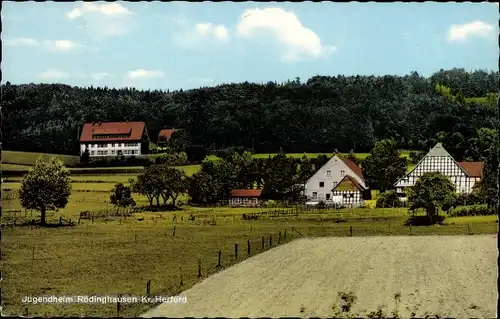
x,y
135,238
199,268
91,242
173,232
468,228
248,247
350,229
409,226
60,220
270,240
148,287
181,283
220,253
92,218
285,234
236,251
262,242
118,306
33,254
279,238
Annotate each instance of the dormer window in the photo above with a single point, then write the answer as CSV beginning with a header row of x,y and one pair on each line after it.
x,y
328,173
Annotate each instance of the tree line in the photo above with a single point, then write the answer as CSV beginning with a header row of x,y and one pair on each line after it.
x,y
319,115
48,187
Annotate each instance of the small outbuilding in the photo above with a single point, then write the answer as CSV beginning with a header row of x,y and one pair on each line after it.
x,y
245,198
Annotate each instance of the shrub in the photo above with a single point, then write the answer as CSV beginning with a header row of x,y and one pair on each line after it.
x,y
388,199
117,161
270,203
473,210
172,159
196,153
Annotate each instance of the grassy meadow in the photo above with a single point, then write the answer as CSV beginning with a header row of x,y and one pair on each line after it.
x,y
119,256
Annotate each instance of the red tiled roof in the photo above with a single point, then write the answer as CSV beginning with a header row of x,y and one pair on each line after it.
x,y
353,166
166,134
246,192
473,169
353,180
133,131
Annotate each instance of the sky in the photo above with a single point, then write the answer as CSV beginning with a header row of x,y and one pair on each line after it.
x,y
174,45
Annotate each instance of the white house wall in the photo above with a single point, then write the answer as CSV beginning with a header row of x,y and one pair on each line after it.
x,y
444,165
111,149
335,165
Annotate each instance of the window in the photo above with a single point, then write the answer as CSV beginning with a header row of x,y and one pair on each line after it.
x,y
113,145
92,153
351,195
321,184
335,184
315,194
327,196
342,173
104,152
328,173
345,195
113,152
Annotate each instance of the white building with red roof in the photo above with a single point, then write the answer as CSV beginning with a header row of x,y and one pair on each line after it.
x,y
339,181
114,139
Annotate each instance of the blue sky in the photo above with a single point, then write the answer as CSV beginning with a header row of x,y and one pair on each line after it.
x,y
155,45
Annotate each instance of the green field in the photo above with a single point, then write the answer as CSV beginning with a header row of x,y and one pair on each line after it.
x,y
29,158
120,256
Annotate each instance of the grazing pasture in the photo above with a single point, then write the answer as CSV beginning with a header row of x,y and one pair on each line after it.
x,y
119,255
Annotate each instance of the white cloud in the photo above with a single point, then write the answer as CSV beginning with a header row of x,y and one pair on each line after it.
x,y
460,32
103,19
107,9
53,74
56,45
144,74
98,76
209,29
21,42
300,42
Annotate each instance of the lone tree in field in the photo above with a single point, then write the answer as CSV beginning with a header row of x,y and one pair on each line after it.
x,y
45,187
384,165
122,196
431,191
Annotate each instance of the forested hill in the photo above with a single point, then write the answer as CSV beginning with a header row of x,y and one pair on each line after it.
x,y
320,115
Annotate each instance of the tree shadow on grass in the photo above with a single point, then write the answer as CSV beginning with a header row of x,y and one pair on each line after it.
x,y
164,208
424,221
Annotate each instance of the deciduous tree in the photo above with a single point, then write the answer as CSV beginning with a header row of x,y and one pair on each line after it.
x,y
45,187
431,191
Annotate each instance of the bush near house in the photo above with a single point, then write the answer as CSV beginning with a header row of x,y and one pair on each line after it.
x,y
388,199
473,210
117,161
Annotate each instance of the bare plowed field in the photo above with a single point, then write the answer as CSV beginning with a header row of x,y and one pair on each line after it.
x,y
453,276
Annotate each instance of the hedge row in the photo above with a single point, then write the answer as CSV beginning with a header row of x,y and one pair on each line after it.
x,y
474,210
88,171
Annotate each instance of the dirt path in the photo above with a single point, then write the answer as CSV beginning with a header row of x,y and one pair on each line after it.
x,y
454,276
